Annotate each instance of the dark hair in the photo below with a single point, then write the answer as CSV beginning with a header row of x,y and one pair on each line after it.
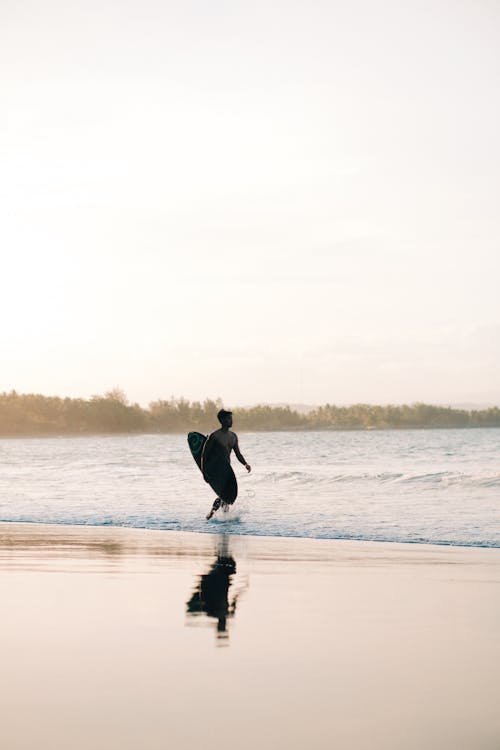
x,y
222,414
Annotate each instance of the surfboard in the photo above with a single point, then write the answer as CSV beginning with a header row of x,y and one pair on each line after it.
x,y
212,461
196,442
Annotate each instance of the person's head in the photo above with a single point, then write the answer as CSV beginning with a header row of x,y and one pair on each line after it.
x,y
225,418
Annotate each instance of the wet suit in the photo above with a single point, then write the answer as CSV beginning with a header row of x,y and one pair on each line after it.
x,y
227,441
218,449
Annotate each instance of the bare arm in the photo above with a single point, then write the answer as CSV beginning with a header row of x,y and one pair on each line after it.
x,y
239,455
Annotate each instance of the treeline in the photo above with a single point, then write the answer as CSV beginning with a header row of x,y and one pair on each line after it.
x,y
33,414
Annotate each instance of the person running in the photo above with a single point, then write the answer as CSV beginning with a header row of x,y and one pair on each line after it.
x,y
217,454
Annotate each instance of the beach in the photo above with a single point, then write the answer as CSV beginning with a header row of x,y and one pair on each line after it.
x,y
129,638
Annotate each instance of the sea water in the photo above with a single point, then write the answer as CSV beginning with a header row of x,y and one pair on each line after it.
x,y
438,486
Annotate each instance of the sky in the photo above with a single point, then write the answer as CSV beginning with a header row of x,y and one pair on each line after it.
x,y
259,201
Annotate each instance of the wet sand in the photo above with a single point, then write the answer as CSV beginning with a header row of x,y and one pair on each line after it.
x,y
118,638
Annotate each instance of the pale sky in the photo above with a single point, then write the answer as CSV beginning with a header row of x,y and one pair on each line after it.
x,y
262,201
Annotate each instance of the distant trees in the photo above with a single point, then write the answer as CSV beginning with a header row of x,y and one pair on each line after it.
x,y
34,414
179,415
368,416
271,418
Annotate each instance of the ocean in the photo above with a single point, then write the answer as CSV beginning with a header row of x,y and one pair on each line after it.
x,y
420,486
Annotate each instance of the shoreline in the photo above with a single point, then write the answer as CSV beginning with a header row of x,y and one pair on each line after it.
x,y
219,530
69,540
117,637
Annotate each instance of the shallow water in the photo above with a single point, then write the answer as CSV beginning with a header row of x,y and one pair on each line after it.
x,y
439,486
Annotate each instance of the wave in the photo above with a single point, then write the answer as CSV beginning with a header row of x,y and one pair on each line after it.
x,y
402,488
443,478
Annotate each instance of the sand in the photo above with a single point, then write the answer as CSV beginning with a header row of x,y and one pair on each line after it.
x,y
119,638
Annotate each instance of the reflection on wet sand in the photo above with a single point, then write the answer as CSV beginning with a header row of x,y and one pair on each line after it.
x,y
21,544
211,594
96,652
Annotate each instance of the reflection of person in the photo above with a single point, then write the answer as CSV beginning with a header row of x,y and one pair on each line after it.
x,y
222,442
212,593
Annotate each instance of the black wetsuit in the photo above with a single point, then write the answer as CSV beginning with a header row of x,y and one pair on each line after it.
x,y
228,441
216,464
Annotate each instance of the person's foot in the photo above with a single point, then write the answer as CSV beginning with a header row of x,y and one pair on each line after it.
x,y
215,507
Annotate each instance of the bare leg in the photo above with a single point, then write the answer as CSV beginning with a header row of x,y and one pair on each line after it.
x,y
215,506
